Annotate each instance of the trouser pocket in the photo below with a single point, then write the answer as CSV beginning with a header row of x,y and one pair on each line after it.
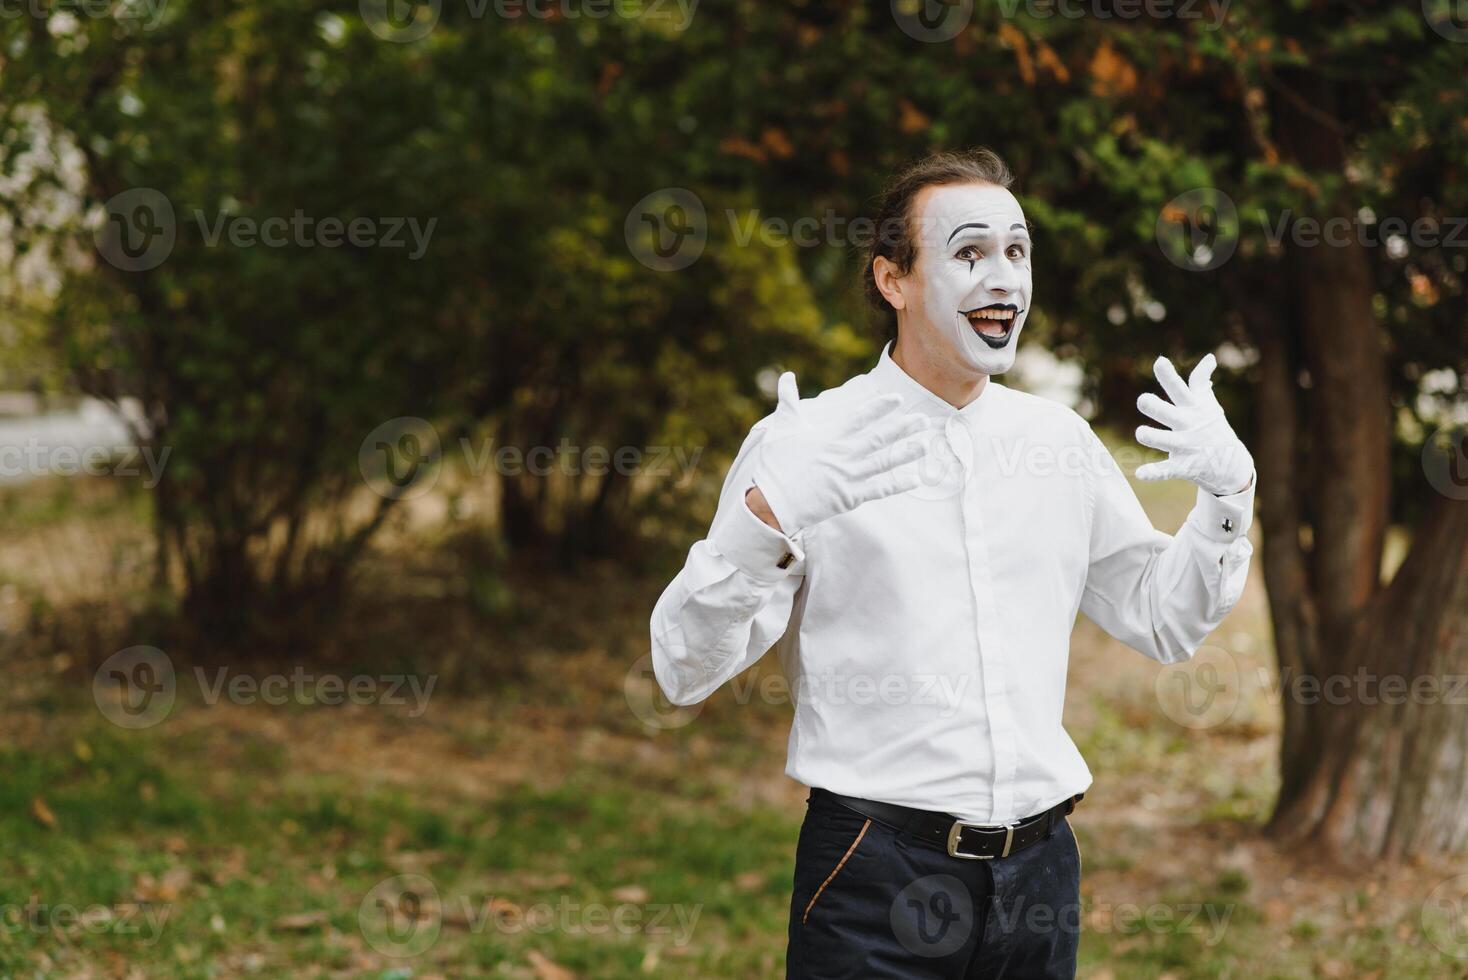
x,y
870,906
831,847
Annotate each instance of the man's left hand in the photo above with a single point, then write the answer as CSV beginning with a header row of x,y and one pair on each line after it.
x,y
1200,444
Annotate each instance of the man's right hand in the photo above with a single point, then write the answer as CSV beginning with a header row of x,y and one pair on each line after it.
x,y
810,472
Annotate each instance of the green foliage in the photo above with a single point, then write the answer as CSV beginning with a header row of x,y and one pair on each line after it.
x,y
262,369
526,141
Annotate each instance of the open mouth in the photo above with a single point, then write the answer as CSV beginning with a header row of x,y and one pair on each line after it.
x,y
993,323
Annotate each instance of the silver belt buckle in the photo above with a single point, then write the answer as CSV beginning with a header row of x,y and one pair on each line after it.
x,y
956,831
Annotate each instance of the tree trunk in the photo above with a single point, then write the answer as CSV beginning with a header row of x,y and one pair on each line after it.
x,y
1375,738
1282,489
1389,776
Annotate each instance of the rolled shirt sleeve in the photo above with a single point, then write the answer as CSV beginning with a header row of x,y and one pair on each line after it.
x,y
733,599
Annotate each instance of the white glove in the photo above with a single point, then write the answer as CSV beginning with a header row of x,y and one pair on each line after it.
x,y
810,472
1200,444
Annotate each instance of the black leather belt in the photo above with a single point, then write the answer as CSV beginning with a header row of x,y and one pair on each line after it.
x,y
970,841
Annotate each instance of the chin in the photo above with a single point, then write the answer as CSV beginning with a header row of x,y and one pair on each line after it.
x,y
998,362
983,356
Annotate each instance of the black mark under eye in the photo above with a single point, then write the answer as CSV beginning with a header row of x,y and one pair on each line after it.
x,y
969,254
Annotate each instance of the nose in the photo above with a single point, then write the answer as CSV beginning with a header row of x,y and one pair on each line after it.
x,y
1001,279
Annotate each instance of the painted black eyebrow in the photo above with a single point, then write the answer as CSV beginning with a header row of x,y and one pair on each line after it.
x,y
1022,226
971,224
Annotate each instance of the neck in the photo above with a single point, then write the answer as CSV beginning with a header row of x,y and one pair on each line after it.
x,y
938,371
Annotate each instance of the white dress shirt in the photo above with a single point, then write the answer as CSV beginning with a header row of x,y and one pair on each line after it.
x,y
925,636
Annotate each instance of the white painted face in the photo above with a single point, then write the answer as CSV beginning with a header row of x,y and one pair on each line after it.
x,y
973,267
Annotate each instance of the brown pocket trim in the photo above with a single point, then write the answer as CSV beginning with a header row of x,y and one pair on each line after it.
x,y
839,865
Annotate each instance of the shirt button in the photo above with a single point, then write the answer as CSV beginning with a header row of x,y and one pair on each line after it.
x,y
1227,525
958,440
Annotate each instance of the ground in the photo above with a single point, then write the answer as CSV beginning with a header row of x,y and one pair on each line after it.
x,y
536,825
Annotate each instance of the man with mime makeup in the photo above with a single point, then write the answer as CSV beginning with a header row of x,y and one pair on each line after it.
x,y
916,544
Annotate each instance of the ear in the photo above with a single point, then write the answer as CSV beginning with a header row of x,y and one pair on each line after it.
x,y
889,281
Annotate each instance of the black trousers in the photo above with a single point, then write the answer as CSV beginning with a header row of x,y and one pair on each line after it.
x,y
869,903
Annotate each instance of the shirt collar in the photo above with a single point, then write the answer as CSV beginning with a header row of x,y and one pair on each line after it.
x,y
889,376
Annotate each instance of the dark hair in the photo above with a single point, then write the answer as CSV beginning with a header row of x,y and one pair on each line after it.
x,y
894,239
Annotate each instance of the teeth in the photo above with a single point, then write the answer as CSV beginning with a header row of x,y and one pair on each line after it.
x,y
991,315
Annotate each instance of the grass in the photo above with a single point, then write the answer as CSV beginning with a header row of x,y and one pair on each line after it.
x,y
204,848
539,830
201,876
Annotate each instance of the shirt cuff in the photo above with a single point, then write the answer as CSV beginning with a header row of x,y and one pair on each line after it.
x,y
1224,519
757,549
